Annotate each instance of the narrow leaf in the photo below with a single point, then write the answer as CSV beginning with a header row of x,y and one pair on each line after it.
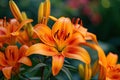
x,y
67,72
37,66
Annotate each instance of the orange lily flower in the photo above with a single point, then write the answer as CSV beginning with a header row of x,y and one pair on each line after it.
x,y
24,38
112,70
10,30
59,42
109,69
11,60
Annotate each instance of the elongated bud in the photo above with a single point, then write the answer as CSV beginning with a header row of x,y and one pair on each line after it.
x,y
85,71
81,71
44,12
30,30
28,27
95,68
24,15
15,10
88,72
40,13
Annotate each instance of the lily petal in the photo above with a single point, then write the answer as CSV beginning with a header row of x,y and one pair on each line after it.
x,y
23,23
102,73
101,54
12,54
23,49
26,61
2,59
91,36
7,72
76,39
112,59
78,53
3,34
62,29
57,63
41,49
81,29
3,31
44,33
23,37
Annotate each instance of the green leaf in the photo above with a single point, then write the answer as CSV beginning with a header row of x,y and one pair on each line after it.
x,y
35,78
67,72
47,75
37,66
73,68
66,61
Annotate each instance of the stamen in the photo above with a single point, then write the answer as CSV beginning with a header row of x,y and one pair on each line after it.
x,y
77,21
73,20
4,22
67,36
56,34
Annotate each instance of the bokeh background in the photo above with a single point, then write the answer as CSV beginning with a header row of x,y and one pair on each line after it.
x,y
101,17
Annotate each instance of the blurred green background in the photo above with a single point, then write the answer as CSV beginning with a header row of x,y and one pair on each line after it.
x,y
101,17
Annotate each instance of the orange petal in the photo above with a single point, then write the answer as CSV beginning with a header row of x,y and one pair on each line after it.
x,y
102,73
13,25
26,61
3,31
23,23
78,53
3,34
7,72
23,49
81,29
57,63
2,59
112,59
114,73
101,54
75,39
12,54
1,67
44,33
62,29
41,49
23,37
91,36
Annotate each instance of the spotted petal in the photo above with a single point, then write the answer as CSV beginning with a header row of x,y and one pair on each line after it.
x,y
12,54
62,29
44,33
76,39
